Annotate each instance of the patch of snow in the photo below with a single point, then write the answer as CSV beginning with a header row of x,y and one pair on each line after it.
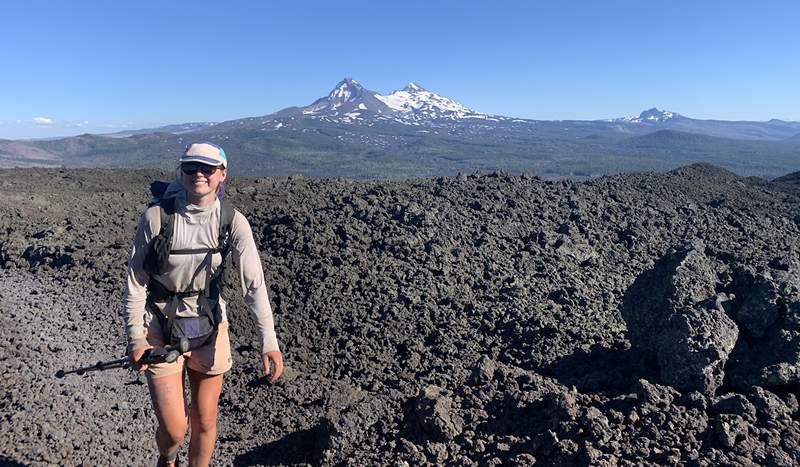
x,y
651,116
342,92
415,101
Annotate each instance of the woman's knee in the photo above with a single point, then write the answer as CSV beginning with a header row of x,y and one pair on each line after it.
x,y
203,422
174,431
205,397
167,396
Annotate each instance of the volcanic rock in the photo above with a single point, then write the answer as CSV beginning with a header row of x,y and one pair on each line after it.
x,y
503,292
730,429
432,415
674,312
768,312
769,407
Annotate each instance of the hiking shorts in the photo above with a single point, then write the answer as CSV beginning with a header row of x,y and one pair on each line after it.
x,y
212,359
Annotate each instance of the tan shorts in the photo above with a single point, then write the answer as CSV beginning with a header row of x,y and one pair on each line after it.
x,y
211,359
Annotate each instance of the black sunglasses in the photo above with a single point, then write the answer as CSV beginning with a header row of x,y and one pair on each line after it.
x,y
192,168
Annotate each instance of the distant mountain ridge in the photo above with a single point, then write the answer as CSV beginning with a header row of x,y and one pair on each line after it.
x,y
413,132
176,129
656,119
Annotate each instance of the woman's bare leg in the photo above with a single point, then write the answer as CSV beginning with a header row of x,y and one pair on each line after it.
x,y
203,416
166,393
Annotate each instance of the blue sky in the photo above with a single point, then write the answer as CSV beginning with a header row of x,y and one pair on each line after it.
x,y
99,66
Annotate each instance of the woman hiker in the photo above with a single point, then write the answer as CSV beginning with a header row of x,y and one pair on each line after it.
x,y
174,278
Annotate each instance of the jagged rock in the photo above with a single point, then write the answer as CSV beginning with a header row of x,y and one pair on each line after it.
x,y
697,400
769,406
730,429
694,347
759,307
735,404
572,250
349,413
437,452
654,397
523,460
674,312
410,451
791,403
433,416
768,308
484,371
596,424
561,406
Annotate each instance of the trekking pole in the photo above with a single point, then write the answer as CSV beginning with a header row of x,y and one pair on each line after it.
x,y
166,354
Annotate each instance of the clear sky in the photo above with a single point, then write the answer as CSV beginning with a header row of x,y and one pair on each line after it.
x,y
69,67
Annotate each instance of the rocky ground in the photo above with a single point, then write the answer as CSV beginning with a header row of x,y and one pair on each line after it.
x,y
473,320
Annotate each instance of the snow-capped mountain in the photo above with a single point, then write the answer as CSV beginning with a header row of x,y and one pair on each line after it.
x,y
349,101
348,98
417,103
650,116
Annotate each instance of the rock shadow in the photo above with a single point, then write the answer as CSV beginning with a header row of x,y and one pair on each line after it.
x,y
603,370
8,462
299,447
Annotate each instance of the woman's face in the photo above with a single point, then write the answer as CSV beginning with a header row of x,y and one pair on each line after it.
x,y
202,181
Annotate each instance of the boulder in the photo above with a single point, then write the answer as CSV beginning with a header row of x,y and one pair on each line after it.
x,y
653,397
769,407
767,309
730,429
432,416
734,404
674,312
759,306
349,413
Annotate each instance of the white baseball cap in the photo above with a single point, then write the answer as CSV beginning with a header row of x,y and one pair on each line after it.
x,y
206,153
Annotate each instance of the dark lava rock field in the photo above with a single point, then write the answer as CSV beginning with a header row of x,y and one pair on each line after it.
x,y
640,319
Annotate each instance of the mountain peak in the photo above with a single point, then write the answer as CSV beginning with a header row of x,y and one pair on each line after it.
x,y
413,87
346,89
415,103
347,97
655,115
652,115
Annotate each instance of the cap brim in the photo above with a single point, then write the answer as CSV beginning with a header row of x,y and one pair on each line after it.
x,y
201,159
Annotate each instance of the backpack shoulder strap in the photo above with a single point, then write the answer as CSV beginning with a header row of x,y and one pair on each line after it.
x,y
226,214
158,250
166,210
213,286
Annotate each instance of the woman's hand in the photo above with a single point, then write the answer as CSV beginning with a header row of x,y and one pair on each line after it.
x,y
135,356
277,360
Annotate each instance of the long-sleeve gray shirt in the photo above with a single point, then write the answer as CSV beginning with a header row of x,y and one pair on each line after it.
x,y
195,227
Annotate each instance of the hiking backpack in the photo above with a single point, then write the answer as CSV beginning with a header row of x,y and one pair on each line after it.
x,y
198,330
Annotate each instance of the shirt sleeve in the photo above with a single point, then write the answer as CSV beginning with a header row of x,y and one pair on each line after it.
x,y
136,286
251,275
